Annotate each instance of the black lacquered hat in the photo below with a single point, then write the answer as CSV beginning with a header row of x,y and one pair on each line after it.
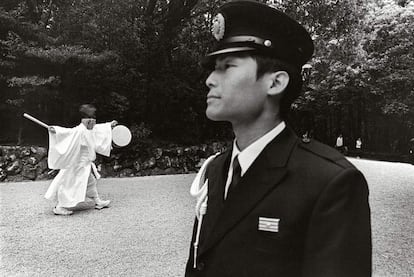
x,y
252,26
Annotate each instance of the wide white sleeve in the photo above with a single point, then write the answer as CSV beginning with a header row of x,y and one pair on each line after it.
x,y
64,147
102,134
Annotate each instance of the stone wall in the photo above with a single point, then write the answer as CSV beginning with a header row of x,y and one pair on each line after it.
x,y
21,163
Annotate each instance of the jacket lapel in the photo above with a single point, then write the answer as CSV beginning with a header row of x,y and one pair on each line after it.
x,y
264,175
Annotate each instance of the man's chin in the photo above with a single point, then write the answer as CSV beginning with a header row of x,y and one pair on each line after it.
x,y
213,116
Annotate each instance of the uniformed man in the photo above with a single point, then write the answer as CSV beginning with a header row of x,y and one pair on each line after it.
x,y
272,205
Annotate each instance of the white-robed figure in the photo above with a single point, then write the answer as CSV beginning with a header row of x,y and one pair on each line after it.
x,y
73,151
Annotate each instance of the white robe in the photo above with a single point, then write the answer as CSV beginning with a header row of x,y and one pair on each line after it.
x,y
72,151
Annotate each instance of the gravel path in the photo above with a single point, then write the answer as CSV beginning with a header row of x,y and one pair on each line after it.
x,y
392,212
146,231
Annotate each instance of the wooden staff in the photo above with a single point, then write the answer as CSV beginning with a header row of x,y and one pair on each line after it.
x,y
35,120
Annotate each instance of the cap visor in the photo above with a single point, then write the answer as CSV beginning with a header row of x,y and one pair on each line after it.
x,y
208,61
230,50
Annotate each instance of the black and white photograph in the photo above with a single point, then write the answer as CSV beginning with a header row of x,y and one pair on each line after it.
x,y
207,138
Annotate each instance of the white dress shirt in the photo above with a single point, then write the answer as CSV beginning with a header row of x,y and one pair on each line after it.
x,y
251,152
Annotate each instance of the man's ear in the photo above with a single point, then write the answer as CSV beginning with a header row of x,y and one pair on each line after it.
x,y
279,81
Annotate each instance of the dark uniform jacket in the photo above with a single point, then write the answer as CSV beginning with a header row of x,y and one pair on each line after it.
x,y
320,199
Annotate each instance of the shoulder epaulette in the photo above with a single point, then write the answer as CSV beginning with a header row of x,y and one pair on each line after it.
x,y
326,152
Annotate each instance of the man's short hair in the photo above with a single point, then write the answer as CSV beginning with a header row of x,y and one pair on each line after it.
x,y
267,65
87,111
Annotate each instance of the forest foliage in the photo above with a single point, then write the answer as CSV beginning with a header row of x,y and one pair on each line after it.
x,y
138,62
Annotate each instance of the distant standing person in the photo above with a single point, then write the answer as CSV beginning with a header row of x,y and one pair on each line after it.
x,y
339,143
73,151
358,147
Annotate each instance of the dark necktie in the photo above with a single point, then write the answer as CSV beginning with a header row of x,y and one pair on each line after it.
x,y
236,175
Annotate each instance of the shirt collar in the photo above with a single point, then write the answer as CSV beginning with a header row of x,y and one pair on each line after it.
x,y
251,152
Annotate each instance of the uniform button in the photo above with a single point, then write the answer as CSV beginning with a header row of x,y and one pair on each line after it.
x,y
200,266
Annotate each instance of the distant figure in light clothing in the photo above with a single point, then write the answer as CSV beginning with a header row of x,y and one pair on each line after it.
x,y
358,147
339,143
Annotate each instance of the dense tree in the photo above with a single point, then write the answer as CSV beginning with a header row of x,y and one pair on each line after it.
x,y
361,82
138,61
388,71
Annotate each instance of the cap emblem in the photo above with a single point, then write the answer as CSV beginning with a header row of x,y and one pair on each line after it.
x,y
217,29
